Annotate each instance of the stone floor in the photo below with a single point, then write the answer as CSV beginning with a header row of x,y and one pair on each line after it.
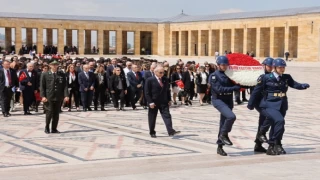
x,y
116,146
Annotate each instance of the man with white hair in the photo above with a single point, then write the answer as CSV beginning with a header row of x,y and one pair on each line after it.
x,y
28,79
157,92
126,71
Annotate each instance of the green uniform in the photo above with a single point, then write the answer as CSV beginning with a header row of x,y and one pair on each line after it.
x,y
53,86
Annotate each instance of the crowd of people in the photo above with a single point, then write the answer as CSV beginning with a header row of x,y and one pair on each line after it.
x,y
119,81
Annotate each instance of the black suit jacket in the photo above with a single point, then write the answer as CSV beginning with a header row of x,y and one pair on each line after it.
x,y
33,79
2,81
110,70
84,82
14,77
188,84
175,77
133,80
147,74
74,83
199,78
156,94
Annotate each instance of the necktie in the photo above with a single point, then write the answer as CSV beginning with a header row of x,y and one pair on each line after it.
x,y
279,77
54,76
152,74
137,77
87,75
9,77
160,82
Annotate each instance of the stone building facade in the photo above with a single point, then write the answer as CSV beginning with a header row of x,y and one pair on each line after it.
x,y
266,33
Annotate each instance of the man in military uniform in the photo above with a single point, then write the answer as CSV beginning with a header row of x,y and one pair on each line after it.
x,y
274,103
222,90
53,89
264,124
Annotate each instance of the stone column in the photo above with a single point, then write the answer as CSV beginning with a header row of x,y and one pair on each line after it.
x,y
245,40
8,39
180,43
184,43
100,42
286,39
232,40
49,37
154,43
81,44
210,50
18,43
69,37
29,37
40,40
221,51
61,40
199,46
258,42
106,42
272,53
137,39
119,42
189,43
87,47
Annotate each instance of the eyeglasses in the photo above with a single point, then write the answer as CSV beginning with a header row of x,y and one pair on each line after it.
x,y
117,70
161,72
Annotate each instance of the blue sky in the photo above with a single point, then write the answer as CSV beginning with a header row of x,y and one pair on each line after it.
x,y
146,8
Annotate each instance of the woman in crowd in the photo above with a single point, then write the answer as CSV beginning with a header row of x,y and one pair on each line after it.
x,y
202,81
118,89
101,85
188,81
176,76
73,86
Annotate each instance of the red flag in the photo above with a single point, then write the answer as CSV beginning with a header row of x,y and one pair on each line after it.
x,y
22,76
180,84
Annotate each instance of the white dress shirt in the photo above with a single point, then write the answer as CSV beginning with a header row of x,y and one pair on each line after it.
x,y
6,77
126,71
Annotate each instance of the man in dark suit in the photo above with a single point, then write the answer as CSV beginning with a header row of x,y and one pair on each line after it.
x,y
86,82
10,83
53,89
112,66
28,86
147,74
157,91
135,81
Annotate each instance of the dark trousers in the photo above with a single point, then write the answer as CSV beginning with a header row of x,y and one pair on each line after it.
x,y
86,98
135,96
75,93
244,94
17,97
5,99
118,94
52,113
166,116
100,94
227,118
28,98
264,123
128,97
276,118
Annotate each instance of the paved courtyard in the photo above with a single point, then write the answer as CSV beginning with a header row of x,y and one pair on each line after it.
x,y
116,146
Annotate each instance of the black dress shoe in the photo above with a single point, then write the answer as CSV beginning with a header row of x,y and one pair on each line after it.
x,y
96,109
175,103
239,102
262,137
153,135
102,109
27,113
190,102
221,152
279,150
271,151
55,132
5,115
122,109
174,133
135,109
244,100
259,148
47,131
118,109
8,114
225,139
89,109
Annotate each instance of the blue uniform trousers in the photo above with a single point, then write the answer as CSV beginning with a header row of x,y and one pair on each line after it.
x,y
264,123
227,117
276,118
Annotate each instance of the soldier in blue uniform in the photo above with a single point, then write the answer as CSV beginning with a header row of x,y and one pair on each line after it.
x,y
264,124
274,103
222,90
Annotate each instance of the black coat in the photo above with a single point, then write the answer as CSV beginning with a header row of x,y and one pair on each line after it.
x,y
33,79
199,78
74,83
175,77
188,84
114,81
105,81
